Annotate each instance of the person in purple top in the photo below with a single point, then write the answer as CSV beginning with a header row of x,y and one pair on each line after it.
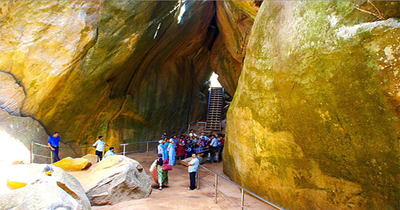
x,y
53,142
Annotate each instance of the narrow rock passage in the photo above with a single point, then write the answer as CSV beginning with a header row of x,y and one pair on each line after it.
x,y
176,197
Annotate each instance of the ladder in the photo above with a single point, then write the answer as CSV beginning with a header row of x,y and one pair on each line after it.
x,y
215,105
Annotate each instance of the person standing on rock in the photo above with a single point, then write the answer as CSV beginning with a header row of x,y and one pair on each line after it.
x,y
193,169
53,142
171,152
99,144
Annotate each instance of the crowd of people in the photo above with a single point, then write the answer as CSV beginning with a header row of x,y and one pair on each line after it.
x,y
169,150
183,147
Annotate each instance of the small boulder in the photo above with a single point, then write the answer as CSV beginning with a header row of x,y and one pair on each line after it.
x,y
73,164
91,158
114,179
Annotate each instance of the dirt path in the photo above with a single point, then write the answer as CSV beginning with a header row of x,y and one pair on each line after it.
x,y
176,197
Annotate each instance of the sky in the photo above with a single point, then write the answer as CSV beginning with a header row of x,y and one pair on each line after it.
x,y
214,80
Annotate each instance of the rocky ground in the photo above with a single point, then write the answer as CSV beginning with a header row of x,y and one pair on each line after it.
x,y
176,197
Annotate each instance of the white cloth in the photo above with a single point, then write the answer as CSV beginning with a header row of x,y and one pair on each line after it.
x,y
99,144
192,134
109,153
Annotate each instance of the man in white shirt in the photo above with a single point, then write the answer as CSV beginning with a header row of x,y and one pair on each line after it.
x,y
192,133
193,169
214,147
99,144
110,152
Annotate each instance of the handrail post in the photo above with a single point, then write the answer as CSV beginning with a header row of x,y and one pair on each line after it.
x,y
51,157
124,149
198,180
216,187
147,148
242,199
31,151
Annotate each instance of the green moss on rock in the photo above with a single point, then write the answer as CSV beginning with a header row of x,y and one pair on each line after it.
x,y
316,108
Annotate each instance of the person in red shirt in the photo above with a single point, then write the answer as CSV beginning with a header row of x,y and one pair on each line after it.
x,y
221,142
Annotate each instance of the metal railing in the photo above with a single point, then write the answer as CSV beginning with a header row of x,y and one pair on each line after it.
x,y
242,189
197,124
123,148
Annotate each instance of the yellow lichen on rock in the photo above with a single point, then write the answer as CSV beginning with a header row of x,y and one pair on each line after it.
x,y
73,164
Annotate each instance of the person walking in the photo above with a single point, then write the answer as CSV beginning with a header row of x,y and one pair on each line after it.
x,y
171,152
53,142
99,144
160,172
193,169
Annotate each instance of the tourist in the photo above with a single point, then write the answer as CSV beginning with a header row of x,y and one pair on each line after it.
x,y
189,149
164,135
172,152
183,138
110,152
221,143
192,133
162,150
166,142
204,136
53,142
175,140
193,169
200,145
181,149
214,148
99,145
160,172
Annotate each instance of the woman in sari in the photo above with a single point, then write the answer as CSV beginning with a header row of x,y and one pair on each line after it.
x,y
164,149
171,152
181,148
162,176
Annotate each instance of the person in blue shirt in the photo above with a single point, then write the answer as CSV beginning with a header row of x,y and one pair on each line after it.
x,y
204,136
110,152
53,142
193,169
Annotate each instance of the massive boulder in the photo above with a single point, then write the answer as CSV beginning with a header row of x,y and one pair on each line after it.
x,y
234,22
11,94
16,132
16,135
40,191
114,179
127,70
314,123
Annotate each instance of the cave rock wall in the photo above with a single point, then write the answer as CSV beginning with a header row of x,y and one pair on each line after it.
x,y
314,123
127,70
